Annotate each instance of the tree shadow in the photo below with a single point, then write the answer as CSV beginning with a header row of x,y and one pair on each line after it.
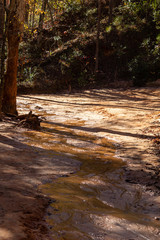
x,y
95,130
125,185
26,166
122,100
22,169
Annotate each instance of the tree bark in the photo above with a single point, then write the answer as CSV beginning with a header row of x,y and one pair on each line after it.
x,y
15,25
2,48
1,33
10,86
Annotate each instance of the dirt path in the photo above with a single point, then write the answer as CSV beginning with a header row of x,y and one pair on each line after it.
x,y
126,117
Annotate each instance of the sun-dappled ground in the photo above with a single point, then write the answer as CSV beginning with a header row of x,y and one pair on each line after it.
x,y
90,172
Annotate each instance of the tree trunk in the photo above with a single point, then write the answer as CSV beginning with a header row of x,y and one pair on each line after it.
x,y
10,86
1,19
97,40
51,14
15,25
41,18
33,14
1,32
2,49
26,12
110,11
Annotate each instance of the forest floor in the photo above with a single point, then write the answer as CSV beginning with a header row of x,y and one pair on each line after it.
x,y
129,118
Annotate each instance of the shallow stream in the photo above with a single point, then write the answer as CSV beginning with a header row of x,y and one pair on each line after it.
x,y
84,198
91,200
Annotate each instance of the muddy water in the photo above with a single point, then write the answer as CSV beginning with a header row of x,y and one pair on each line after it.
x,y
90,202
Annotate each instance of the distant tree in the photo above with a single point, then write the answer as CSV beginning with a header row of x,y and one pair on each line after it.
x,y
97,39
110,11
41,18
1,19
2,48
33,14
112,5
15,20
50,13
26,11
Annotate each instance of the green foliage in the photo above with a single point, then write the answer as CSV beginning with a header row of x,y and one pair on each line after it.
x,y
64,50
139,70
134,36
75,65
69,57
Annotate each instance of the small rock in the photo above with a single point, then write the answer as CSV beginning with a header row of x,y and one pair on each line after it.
x,y
51,201
49,214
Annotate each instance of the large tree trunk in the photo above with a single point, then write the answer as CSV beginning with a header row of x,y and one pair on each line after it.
x,y
15,22
2,49
10,86
1,33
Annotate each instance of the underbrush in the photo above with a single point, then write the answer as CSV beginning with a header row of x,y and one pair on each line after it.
x,y
63,57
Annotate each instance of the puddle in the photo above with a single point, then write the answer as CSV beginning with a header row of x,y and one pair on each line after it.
x,y
93,192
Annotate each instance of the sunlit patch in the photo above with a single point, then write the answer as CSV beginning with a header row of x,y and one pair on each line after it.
x,y
5,234
10,170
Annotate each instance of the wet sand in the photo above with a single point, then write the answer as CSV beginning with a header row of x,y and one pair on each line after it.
x,y
31,161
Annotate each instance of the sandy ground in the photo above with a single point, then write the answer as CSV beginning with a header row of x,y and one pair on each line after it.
x,y
131,118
